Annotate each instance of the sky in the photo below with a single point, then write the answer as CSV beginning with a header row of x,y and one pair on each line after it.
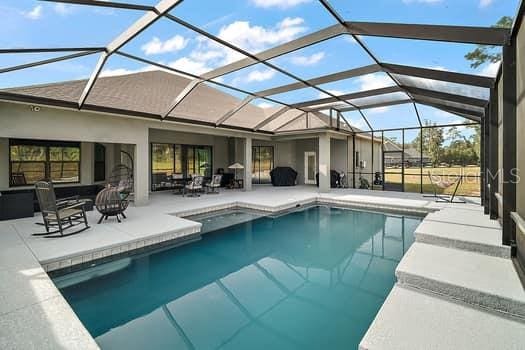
x,y
254,25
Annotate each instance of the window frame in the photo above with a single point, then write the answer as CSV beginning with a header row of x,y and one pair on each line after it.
x,y
184,149
47,144
99,162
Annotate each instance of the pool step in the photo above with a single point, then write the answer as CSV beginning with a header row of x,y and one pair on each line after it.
x,y
474,278
413,320
479,239
464,216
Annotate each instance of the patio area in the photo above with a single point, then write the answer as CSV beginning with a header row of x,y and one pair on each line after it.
x,y
450,236
279,106
163,219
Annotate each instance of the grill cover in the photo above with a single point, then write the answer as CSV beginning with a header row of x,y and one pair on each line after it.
x,y
283,176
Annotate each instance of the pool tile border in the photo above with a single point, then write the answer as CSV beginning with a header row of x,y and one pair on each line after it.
x,y
178,237
85,259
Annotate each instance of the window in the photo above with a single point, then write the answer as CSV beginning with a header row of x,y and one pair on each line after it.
x,y
357,159
32,161
262,164
100,162
168,159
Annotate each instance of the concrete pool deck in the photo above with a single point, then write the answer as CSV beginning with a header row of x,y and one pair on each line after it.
x,y
34,313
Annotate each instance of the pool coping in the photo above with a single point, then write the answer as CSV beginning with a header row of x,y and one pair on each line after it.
x,y
192,233
179,236
75,262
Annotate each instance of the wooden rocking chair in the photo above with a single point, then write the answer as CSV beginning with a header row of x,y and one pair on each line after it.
x,y
62,215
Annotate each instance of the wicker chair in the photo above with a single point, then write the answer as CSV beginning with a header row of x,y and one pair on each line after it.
x,y
111,202
195,186
215,183
63,214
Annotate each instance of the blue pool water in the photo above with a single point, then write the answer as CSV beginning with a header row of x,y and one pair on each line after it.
x,y
311,279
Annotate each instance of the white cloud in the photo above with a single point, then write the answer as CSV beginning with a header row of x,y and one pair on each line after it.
x,y
260,75
254,76
358,123
282,4
35,13
377,110
485,3
308,60
208,54
422,1
265,105
111,72
491,69
189,65
375,81
156,46
257,38
63,9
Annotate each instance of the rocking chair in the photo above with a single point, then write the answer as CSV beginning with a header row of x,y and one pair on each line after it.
x,y
62,214
437,183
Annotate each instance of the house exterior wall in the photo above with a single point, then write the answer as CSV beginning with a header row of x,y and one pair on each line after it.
x,y
301,146
131,134
283,152
338,155
134,135
364,147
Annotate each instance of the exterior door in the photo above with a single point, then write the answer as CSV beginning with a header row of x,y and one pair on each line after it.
x,y
393,171
262,164
310,167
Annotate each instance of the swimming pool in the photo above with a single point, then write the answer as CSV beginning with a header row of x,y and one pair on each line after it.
x,y
314,278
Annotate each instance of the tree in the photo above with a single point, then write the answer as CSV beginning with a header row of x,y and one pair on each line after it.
x,y
432,142
488,53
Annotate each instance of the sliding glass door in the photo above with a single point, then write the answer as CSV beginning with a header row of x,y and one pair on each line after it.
x,y
187,160
262,164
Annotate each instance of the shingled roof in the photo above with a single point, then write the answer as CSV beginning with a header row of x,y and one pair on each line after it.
x,y
152,92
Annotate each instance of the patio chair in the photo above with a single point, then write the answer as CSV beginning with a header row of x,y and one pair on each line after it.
x,y
438,183
215,183
62,214
177,183
194,186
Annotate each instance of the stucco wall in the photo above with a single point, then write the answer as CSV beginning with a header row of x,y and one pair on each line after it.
x,y
283,151
301,146
338,155
19,121
364,147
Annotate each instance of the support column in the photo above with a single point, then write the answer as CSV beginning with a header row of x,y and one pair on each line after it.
x,y
509,139
324,163
141,175
483,163
4,163
248,164
87,163
492,176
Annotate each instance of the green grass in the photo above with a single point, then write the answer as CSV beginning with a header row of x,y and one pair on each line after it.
x,y
470,186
